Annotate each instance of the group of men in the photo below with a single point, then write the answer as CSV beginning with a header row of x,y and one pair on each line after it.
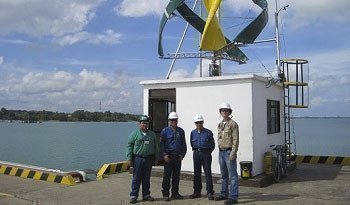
x,y
144,148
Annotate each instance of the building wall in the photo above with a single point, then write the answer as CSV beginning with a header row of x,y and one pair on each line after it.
x,y
205,100
262,140
247,96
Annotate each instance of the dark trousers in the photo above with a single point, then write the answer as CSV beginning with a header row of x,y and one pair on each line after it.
x,y
171,170
202,159
141,175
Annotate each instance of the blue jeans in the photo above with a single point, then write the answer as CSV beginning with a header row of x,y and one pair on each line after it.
x,y
171,170
202,159
228,170
141,174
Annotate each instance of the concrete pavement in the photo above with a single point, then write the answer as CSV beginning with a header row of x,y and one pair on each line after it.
x,y
308,184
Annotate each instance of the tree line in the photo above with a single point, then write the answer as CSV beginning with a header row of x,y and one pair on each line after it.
x,y
77,116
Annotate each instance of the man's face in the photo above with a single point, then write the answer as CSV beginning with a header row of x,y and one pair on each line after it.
x,y
173,122
225,112
144,125
199,125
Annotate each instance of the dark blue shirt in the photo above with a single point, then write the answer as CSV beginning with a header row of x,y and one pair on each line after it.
x,y
173,141
202,140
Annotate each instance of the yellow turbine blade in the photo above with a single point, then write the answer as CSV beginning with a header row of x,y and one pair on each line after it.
x,y
213,37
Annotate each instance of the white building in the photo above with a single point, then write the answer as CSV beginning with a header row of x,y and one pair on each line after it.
x,y
257,108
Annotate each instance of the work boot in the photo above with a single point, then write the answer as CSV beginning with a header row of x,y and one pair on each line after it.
x,y
220,198
210,196
177,196
148,198
231,201
166,198
195,195
133,200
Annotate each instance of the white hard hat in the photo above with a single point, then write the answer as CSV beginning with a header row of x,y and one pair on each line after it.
x,y
225,105
198,118
172,116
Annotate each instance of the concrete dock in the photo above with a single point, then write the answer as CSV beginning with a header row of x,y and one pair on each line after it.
x,y
308,184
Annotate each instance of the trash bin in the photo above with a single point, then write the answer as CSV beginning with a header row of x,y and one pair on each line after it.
x,y
246,169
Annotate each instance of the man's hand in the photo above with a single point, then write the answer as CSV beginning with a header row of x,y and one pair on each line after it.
x,y
130,163
166,158
233,156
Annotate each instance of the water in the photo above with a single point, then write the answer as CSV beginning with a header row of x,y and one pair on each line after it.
x,y
88,145
322,137
64,145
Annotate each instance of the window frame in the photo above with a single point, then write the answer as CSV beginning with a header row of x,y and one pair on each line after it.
x,y
273,116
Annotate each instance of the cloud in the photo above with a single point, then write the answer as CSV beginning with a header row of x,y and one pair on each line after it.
x,y
241,6
93,81
1,60
322,63
109,37
329,78
63,82
317,12
299,13
40,82
140,8
184,73
345,79
179,73
43,18
68,91
205,69
16,42
316,101
125,93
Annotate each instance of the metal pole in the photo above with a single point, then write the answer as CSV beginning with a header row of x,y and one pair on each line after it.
x,y
219,17
200,37
278,64
179,46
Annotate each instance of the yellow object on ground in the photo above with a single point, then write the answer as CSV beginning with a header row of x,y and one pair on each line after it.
x,y
112,168
268,157
23,172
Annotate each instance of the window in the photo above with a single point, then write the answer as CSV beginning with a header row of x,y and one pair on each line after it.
x,y
273,116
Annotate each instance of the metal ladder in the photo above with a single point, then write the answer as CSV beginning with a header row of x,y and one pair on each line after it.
x,y
295,76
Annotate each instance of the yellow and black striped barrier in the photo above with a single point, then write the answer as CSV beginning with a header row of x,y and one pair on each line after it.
x,y
37,175
329,160
66,179
112,168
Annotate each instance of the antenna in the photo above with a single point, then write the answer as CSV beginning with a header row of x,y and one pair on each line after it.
x,y
278,63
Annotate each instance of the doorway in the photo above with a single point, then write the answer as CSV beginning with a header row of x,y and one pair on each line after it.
x,y
161,103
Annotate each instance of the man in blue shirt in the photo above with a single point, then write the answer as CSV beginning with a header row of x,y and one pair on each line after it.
x,y
173,147
203,144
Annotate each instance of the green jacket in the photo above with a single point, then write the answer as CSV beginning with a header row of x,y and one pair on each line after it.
x,y
144,145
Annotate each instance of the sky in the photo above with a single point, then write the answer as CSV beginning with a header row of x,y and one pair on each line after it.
x,y
90,55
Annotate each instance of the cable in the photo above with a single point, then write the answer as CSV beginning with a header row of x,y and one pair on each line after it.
x,y
262,64
245,18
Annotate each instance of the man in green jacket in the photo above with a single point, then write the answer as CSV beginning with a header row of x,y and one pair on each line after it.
x,y
142,153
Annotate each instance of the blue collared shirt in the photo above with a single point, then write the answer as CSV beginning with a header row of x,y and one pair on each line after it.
x,y
202,140
173,141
